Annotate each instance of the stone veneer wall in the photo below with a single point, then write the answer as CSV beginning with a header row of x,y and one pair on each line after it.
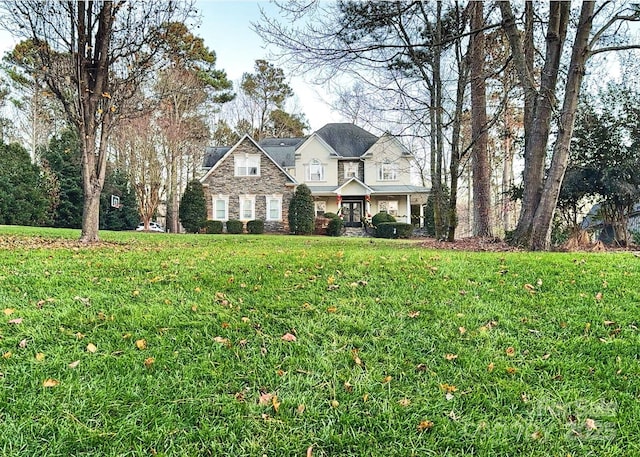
x,y
341,178
222,181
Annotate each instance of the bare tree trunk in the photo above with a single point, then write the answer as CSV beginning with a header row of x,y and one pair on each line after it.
x,y
507,174
541,227
480,154
537,125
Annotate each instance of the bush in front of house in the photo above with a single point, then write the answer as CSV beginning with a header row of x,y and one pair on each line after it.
x,y
234,226
381,217
193,207
393,230
213,227
255,227
334,228
301,212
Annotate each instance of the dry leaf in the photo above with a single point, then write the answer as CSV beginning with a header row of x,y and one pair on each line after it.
x,y
275,403
511,351
15,321
414,314
529,287
9,311
149,361
599,296
23,343
265,399
348,386
590,424
332,309
245,320
546,356
300,409
404,402
334,403
7,355
448,388
425,425
40,356
536,435
141,344
221,340
365,398
288,337
91,348
74,364
50,382
490,367
609,323
356,359
387,379
511,370
462,330
452,415
451,356
310,451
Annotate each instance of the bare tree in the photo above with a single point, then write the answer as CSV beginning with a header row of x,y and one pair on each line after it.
x,y
541,189
94,56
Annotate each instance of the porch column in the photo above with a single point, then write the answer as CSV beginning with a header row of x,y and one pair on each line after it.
x,y
421,221
408,209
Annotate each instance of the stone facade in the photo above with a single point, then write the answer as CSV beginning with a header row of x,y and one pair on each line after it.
x,y
271,181
341,167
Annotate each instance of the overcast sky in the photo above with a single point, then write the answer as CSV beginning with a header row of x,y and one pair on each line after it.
x,y
226,29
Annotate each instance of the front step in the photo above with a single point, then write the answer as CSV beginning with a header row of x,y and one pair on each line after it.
x,y
354,232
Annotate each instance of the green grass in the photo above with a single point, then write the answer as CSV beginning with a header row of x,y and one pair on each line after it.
x,y
543,348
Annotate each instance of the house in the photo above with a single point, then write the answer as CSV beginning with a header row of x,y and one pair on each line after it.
x,y
604,232
348,170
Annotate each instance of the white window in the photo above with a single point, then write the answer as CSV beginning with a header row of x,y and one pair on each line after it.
x,y
221,207
274,207
247,165
247,207
316,170
321,208
390,206
388,171
350,170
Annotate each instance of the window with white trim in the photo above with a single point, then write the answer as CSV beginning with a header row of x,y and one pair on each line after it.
x,y
221,207
390,206
388,171
350,170
316,170
321,207
274,207
247,207
247,164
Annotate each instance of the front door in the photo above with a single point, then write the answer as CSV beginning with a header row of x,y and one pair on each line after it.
x,y
352,213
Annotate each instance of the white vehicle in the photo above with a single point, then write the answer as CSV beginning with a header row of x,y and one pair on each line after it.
x,y
153,227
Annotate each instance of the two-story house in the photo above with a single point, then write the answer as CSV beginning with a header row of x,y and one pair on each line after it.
x,y
349,171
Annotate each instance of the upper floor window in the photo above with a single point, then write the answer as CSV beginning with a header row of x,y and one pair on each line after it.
x,y
388,171
247,165
316,170
350,170
321,207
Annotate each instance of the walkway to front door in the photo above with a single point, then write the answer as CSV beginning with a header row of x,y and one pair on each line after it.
x,y
352,213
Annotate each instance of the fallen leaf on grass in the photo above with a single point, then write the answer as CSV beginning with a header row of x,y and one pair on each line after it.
x,y
510,351
265,399
23,343
40,356
288,337
348,386
425,425
530,288
7,355
334,403
490,367
404,402
536,435
332,309
221,340
414,314
310,451
451,356
462,330
590,424
599,296
91,348
453,416
387,379
141,344
74,364
511,370
356,359
149,361
448,388
15,321
609,323
50,382
9,311
300,409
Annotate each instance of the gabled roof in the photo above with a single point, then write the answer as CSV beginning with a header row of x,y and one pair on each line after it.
x,y
213,154
232,149
358,183
282,150
347,140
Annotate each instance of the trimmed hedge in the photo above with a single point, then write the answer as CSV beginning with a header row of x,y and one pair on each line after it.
x,y
255,227
213,227
335,226
381,217
235,226
394,230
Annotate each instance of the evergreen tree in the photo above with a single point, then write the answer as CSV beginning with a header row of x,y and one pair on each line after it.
x,y
193,207
124,217
63,157
301,212
23,195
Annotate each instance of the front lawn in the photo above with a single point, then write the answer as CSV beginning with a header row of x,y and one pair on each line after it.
x,y
180,345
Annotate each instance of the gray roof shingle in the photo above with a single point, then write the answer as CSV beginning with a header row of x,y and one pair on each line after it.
x,y
348,140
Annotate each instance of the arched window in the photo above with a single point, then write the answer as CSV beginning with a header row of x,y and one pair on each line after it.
x,y
316,170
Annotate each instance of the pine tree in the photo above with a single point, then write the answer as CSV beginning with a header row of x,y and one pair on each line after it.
x,y
301,212
193,207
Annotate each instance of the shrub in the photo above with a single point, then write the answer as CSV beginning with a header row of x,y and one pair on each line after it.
x,y
301,211
381,217
335,226
235,226
213,227
193,207
394,230
255,227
